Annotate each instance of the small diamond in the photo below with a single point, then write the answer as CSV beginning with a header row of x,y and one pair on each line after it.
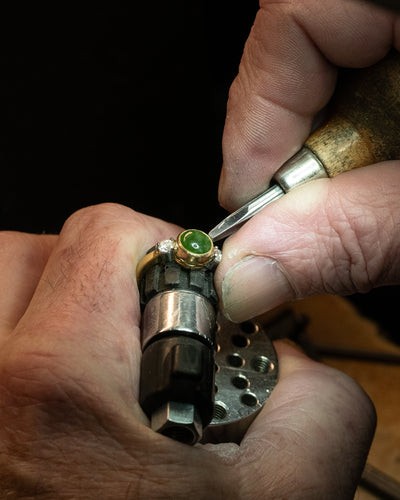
x,y
166,246
217,255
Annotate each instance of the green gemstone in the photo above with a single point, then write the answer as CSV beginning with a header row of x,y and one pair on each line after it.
x,y
196,241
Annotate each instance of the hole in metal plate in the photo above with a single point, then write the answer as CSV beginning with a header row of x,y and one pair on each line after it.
x,y
235,360
249,327
249,399
246,373
240,381
240,341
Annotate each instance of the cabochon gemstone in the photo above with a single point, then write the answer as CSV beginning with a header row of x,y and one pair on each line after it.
x,y
195,241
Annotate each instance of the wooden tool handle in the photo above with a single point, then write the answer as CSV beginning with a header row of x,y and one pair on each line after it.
x,y
364,127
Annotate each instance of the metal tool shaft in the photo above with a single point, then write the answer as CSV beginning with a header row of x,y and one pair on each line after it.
x,y
364,128
301,168
238,218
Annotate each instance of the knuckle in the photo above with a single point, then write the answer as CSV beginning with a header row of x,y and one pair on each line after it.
x,y
96,216
95,234
106,223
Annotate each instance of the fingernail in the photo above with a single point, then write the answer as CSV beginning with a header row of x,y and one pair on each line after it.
x,y
252,286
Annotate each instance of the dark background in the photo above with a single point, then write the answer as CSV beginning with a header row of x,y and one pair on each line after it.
x,y
121,103
116,103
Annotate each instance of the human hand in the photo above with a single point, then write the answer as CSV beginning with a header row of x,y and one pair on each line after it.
x,y
70,423
333,235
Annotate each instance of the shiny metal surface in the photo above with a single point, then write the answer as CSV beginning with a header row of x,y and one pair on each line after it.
x,y
301,168
246,373
178,310
232,223
179,421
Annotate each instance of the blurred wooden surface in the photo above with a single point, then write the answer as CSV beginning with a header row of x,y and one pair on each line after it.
x,y
335,323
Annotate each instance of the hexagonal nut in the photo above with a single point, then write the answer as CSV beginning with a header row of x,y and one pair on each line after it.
x,y
179,421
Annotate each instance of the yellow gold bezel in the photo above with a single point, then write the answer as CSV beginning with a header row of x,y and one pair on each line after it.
x,y
191,259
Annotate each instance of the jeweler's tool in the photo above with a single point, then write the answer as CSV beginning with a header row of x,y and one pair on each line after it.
x,y
199,371
364,128
178,300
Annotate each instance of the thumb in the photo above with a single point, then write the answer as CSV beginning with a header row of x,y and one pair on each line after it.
x,y
336,235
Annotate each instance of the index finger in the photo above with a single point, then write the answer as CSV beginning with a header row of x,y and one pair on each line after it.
x,y
287,74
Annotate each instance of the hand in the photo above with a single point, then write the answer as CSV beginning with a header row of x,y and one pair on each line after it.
x,y
70,423
335,235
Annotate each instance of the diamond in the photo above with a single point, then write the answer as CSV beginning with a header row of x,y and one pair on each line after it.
x,y
217,255
166,246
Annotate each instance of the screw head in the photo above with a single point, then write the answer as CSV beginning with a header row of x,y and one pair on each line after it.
x,y
179,421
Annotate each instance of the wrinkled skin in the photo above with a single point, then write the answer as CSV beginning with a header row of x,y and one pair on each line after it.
x,y
336,235
70,423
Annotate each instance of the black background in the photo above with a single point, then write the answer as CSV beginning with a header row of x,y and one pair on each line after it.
x,y
124,103
116,102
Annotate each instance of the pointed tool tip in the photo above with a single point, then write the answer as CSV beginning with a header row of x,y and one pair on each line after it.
x,y
215,235
227,227
235,220
223,230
